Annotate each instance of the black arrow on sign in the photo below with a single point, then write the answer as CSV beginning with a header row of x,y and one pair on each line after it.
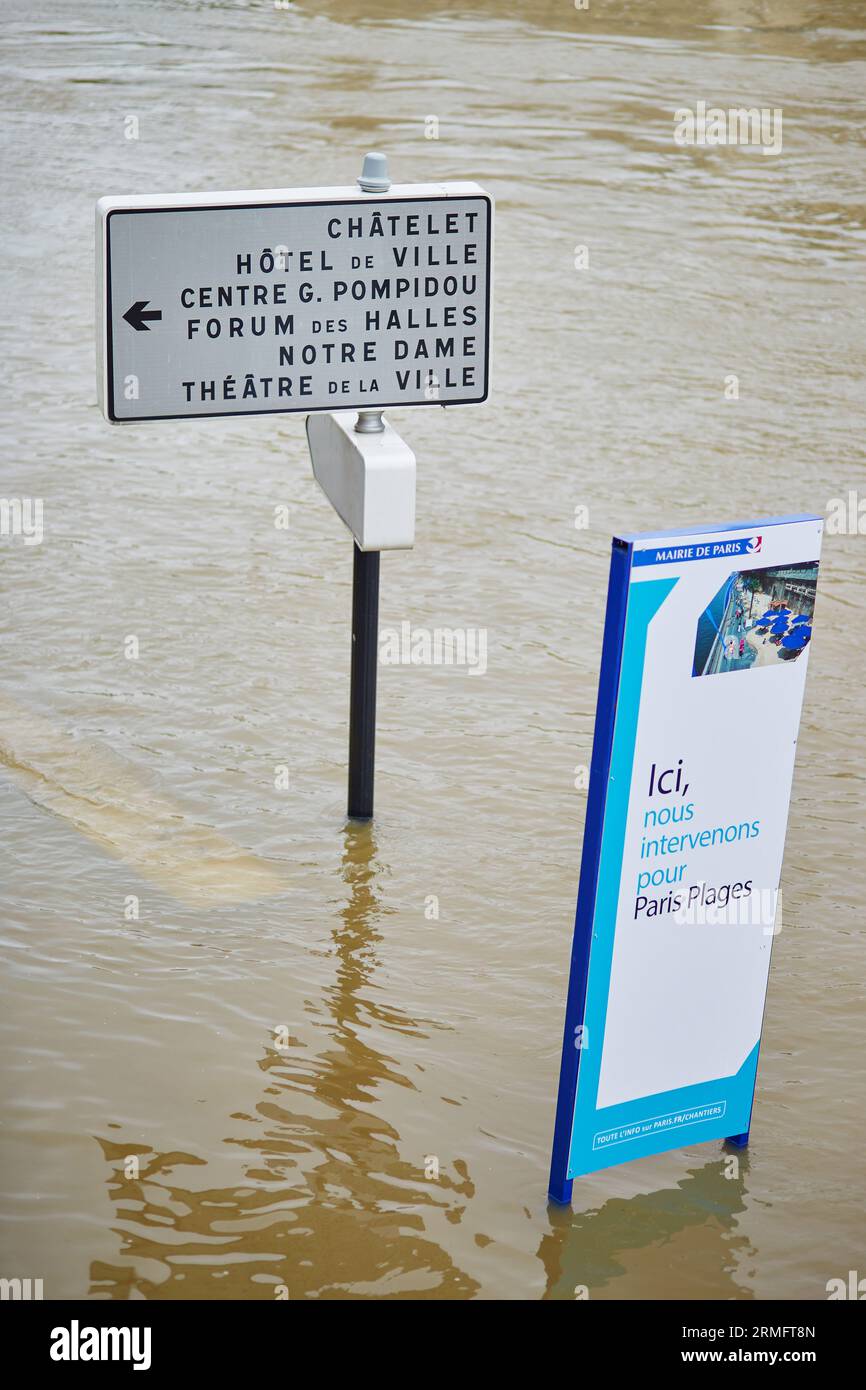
x,y
138,319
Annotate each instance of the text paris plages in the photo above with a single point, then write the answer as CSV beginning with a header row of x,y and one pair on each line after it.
x,y
670,830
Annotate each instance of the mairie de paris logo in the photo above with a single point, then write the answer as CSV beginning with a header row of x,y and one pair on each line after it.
x,y
754,545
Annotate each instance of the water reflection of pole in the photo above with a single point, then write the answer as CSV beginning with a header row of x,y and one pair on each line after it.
x,y
355,939
326,1206
359,1181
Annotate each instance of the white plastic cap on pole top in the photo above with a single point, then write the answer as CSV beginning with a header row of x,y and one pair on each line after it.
x,y
374,177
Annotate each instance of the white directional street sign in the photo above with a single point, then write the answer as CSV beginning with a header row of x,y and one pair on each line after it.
x,y
293,300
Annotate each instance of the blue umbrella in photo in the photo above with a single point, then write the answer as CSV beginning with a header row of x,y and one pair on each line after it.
x,y
797,639
800,618
780,625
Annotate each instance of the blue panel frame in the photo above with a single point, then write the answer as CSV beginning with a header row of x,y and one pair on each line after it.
x,y
560,1187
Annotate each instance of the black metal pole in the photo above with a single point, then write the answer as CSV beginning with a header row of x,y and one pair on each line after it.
x,y
362,709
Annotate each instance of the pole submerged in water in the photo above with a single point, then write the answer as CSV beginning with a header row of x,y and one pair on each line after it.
x,y
374,178
362,708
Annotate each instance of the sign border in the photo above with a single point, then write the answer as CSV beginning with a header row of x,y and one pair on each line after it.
x,y
560,1186
106,337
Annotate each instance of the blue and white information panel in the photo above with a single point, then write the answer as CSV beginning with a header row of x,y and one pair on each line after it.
x,y
706,644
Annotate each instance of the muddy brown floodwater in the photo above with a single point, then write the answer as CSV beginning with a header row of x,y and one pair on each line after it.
x,y
211,974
